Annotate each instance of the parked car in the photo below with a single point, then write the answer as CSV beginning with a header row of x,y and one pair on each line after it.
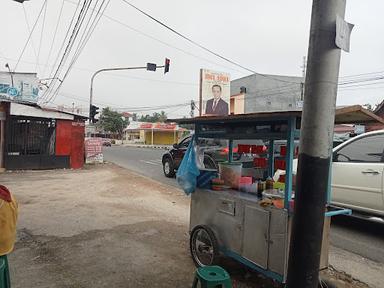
x,y
358,173
107,143
215,151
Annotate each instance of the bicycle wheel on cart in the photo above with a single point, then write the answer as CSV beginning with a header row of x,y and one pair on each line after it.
x,y
203,246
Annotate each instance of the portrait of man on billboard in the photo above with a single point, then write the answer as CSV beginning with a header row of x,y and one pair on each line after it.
x,y
216,105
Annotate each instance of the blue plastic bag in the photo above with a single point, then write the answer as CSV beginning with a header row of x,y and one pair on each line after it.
x,y
188,171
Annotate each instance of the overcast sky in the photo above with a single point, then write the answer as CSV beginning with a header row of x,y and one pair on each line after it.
x,y
267,36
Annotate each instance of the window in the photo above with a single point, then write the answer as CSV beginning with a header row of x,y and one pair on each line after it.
x,y
185,143
368,149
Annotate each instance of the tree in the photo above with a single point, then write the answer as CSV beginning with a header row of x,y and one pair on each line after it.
x,y
155,117
112,121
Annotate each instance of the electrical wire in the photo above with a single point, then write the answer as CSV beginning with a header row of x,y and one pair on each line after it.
x,y
41,35
83,41
161,41
29,36
64,40
29,30
54,36
69,45
201,46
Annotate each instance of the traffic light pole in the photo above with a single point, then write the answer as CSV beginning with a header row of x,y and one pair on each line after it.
x,y
317,126
115,69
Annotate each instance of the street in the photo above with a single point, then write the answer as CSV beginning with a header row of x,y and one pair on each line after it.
x,y
360,237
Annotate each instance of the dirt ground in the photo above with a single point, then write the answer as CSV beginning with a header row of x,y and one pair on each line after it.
x,y
103,226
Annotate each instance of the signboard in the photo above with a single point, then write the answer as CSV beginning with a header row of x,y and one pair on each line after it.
x,y
343,33
165,126
214,92
93,150
25,87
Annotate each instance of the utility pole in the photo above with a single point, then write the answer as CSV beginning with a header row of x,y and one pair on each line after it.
x,y
315,145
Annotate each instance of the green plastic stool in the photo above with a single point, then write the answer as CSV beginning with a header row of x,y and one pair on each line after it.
x,y
212,277
5,281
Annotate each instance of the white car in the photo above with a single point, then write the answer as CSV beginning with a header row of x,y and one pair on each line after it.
x,y
358,174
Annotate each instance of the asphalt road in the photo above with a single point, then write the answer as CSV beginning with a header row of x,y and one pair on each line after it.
x,y
361,237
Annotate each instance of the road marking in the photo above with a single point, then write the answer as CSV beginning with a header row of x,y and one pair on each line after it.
x,y
152,162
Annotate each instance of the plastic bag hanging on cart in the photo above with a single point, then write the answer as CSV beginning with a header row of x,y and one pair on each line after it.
x,y
188,171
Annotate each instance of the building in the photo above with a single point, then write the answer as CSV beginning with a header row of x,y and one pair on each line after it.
x,y
154,133
266,93
32,137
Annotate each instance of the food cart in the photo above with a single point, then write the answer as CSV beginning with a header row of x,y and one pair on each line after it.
x,y
241,224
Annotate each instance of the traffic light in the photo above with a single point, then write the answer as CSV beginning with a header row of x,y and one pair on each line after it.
x,y
92,113
151,67
166,65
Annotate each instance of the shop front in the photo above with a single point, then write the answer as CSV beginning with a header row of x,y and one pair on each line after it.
x,y
36,138
153,133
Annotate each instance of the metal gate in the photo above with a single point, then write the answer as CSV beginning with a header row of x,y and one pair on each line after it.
x,y
30,144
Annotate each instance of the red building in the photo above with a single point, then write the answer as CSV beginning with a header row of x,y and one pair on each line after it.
x,y
32,137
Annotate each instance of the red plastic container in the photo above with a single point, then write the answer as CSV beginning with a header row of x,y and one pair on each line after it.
x,y
244,148
283,150
258,149
280,164
260,162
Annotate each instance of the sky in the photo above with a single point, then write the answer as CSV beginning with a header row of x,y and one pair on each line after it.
x,y
269,37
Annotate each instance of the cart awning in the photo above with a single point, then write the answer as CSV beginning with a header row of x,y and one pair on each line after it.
x,y
344,115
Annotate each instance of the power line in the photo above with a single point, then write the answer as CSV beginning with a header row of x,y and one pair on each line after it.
x,y
41,35
64,40
29,29
201,46
29,36
54,35
161,41
70,44
84,39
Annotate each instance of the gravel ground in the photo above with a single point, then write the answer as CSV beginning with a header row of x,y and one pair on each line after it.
x,y
104,226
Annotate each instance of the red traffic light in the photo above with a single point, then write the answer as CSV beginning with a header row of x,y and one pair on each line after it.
x,y
166,65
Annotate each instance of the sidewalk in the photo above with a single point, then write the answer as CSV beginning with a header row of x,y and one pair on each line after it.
x,y
104,226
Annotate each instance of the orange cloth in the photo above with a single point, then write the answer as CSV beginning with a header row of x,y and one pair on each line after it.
x,y
8,219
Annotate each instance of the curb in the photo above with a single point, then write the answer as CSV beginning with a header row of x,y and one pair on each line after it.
x,y
148,146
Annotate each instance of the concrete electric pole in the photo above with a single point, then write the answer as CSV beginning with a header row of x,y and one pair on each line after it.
x,y
315,144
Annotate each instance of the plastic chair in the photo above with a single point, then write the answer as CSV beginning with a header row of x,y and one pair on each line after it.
x,y
212,277
5,281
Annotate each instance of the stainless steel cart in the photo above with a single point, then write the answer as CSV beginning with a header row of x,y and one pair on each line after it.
x,y
234,223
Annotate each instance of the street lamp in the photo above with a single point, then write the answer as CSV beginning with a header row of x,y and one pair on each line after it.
x,y
10,72
149,67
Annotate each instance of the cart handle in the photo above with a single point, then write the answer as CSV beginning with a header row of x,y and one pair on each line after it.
x,y
338,212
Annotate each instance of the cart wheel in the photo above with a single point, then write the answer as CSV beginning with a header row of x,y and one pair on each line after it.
x,y
203,245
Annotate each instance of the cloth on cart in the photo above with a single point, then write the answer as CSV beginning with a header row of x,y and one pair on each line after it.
x,y
8,219
188,170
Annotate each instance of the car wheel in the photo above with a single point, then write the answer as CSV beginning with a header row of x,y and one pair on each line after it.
x,y
168,169
203,246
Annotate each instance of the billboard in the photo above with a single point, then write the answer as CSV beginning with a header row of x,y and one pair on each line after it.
x,y
25,86
214,93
